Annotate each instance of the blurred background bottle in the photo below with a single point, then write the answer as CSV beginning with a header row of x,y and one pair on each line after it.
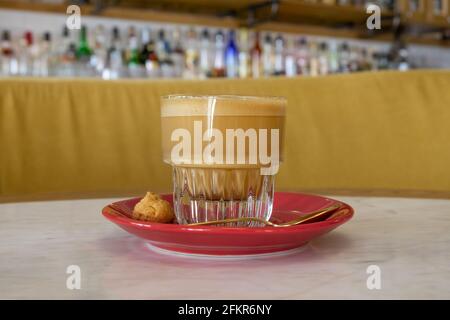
x,y
192,55
244,54
7,61
205,54
278,65
267,56
219,55
256,60
83,54
231,56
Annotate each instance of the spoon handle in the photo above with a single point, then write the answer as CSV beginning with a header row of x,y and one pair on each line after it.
x,y
304,219
311,217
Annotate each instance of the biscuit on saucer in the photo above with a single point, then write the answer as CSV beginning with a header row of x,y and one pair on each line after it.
x,y
153,209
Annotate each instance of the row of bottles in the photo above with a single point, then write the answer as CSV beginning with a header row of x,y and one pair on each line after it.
x,y
25,58
177,53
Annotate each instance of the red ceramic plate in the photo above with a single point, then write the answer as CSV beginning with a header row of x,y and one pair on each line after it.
x,y
215,240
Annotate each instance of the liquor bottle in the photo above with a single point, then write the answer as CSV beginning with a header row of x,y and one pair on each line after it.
x,y
344,58
163,51
244,55
147,55
279,56
313,59
177,54
381,61
161,45
289,60
371,58
133,62
333,58
83,66
152,61
64,55
323,59
146,44
267,56
255,52
25,54
231,56
191,56
44,58
364,63
403,64
114,62
354,59
64,42
303,57
205,55
83,50
131,36
116,41
219,55
7,54
100,52
133,59
71,58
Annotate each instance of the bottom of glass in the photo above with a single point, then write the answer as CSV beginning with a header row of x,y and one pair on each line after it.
x,y
198,199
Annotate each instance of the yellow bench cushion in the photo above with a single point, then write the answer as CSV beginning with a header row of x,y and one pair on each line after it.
x,y
370,132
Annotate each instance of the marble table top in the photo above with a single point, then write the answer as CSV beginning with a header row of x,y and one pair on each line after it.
x,y
407,240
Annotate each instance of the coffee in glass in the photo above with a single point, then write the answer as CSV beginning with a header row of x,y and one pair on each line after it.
x,y
225,152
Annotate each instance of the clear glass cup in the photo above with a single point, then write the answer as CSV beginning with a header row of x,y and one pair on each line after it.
x,y
225,152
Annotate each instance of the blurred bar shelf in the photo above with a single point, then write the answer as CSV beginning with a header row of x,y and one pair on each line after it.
x,y
292,16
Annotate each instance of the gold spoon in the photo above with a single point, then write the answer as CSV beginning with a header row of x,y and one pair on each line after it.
x,y
304,219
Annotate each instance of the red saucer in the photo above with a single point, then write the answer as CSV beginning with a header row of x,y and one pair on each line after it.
x,y
214,240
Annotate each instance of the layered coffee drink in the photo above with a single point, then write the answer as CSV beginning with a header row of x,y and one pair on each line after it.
x,y
225,152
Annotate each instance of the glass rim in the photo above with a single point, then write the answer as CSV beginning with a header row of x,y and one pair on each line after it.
x,y
224,97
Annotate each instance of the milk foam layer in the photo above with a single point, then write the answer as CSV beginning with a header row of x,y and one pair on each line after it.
x,y
186,106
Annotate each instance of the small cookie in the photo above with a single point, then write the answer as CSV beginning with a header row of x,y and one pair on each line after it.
x,y
153,208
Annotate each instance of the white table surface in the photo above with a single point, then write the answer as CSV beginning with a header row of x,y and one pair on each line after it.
x,y
409,239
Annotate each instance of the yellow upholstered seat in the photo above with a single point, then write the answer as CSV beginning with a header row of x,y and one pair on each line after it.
x,y
373,133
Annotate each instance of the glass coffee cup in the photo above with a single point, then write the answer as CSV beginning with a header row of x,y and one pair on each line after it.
x,y
225,152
